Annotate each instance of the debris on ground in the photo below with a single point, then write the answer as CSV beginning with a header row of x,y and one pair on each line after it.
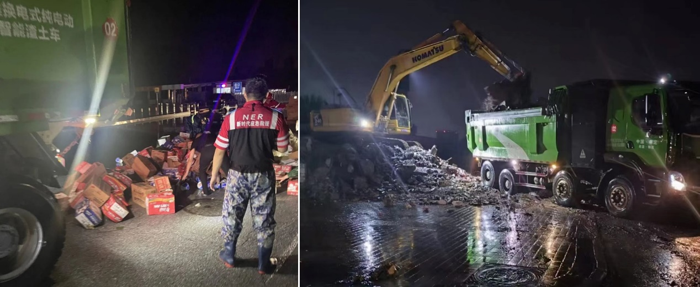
x,y
375,171
150,179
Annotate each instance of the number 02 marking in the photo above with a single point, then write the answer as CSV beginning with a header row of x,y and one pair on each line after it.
x,y
110,29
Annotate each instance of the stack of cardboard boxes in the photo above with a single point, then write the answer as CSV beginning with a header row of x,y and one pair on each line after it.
x,y
94,193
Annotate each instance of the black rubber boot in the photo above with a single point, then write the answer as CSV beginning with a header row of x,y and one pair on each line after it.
x,y
265,266
227,254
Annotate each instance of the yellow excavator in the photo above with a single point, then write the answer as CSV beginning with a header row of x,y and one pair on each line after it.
x,y
388,112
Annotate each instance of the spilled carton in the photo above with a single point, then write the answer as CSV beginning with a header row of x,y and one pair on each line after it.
x,y
160,203
293,187
140,192
114,209
144,167
88,214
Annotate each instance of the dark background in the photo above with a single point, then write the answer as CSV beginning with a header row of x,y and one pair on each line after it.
x,y
176,42
559,42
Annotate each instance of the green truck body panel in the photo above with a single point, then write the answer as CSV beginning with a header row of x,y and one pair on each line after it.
x,y
51,53
530,135
525,135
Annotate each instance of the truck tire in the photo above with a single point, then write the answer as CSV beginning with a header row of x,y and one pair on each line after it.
x,y
620,197
564,190
488,175
506,182
40,225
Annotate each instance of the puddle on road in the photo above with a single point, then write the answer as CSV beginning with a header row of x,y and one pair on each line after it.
x,y
506,275
205,207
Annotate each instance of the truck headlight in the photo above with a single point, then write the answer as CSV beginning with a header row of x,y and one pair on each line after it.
x,y
676,180
90,120
364,123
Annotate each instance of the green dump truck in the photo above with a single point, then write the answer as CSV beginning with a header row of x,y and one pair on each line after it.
x,y
626,143
60,62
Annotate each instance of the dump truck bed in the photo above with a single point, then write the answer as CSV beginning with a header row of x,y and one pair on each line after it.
x,y
56,55
523,135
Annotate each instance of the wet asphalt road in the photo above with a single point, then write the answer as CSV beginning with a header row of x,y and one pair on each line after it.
x,y
169,250
530,242
174,250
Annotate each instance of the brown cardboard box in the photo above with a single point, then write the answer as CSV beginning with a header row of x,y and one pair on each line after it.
x,y
158,156
98,192
140,192
96,170
144,167
173,161
128,160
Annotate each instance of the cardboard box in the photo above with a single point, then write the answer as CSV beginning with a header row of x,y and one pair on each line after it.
x,y
76,199
114,183
162,184
173,161
160,203
98,192
158,156
140,192
95,171
281,170
88,214
293,187
114,209
128,160
123,178
82,167
120,197
144,167
146,152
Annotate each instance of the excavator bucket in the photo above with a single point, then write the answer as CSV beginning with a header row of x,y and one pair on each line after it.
x,y
508,94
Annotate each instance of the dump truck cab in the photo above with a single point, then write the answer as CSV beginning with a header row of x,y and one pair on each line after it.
x,y
627,143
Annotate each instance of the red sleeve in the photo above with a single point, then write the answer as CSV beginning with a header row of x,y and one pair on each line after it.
x,y
282,133
222,138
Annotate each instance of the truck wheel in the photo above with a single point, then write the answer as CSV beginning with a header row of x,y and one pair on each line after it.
x,y
620,197
32,234
506,183
488,175
564,190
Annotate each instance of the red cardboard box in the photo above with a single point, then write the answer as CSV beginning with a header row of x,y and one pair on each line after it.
x,y
146,152
117,186
114,209
79,197
281,170
160,203
82,167
162,184
293,187
123,178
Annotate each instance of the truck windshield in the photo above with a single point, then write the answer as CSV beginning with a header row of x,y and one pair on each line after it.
x,y
684,111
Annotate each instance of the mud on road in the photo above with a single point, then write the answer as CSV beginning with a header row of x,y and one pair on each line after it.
x,y
524,241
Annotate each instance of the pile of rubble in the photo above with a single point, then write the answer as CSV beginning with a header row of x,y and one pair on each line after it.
x,y
379,171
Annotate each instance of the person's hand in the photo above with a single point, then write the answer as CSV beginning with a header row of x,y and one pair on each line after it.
x,y
214,180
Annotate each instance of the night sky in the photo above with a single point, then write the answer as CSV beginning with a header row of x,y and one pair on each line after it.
x,y
559,42
177,42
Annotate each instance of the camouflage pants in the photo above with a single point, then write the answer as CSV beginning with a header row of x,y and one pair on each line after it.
x,y
259,189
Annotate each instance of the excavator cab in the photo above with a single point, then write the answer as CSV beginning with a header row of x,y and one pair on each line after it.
x,y
400,119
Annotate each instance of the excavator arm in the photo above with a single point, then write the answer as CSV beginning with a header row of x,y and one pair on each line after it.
x,y
431,51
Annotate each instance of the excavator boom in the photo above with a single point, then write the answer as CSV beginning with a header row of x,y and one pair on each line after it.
x,y
380,101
